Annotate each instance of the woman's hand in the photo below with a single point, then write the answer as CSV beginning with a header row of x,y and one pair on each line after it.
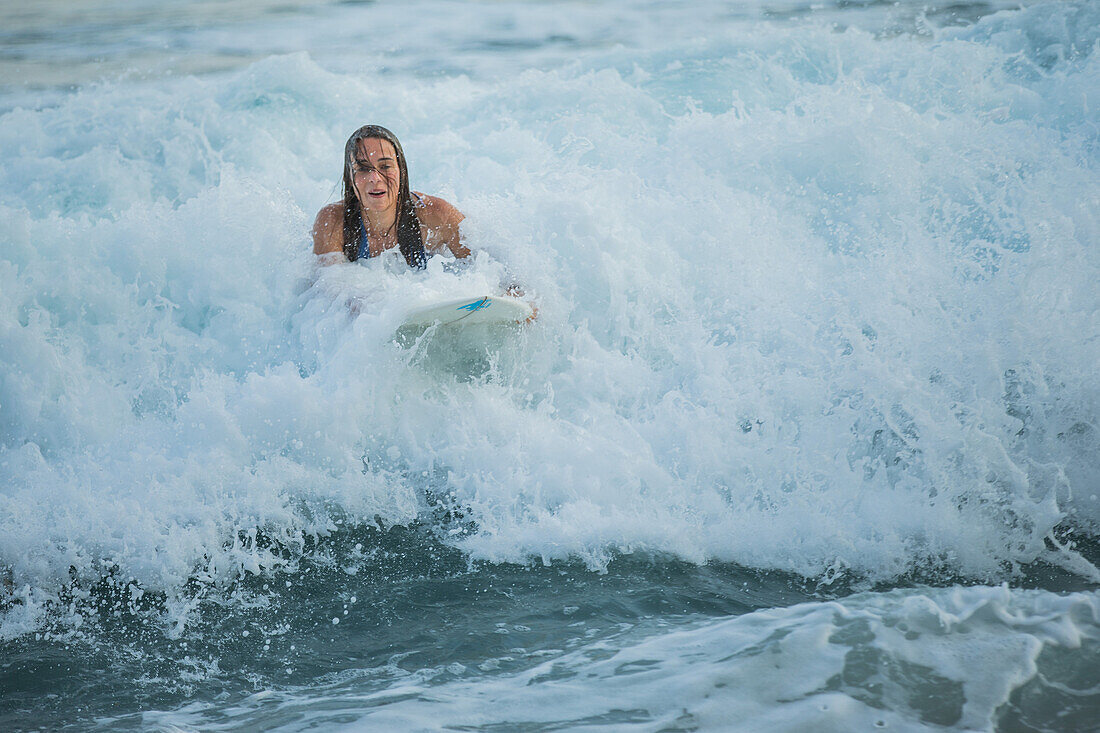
x,y
516,291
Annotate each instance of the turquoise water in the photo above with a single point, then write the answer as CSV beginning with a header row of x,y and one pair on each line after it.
x,y
805,437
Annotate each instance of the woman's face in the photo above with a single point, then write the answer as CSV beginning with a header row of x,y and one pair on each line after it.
x,y
376,175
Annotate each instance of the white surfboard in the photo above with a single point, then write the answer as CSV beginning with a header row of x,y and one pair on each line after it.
x,y
500,309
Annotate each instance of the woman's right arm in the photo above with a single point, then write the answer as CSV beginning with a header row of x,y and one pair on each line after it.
x,y
328,234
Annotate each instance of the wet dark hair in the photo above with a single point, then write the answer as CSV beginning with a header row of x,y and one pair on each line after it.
x,y
408,224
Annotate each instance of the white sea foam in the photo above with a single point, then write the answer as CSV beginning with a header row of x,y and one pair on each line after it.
x,y
904,661
809,300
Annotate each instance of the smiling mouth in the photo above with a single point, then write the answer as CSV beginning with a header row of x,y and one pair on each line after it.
x,y
376,194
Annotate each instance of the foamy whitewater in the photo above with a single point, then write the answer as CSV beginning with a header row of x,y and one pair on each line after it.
x,y
806,435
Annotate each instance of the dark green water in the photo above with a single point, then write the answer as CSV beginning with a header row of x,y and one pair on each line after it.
x,y
365,608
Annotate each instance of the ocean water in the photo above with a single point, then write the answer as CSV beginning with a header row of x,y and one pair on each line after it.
x,y
806,436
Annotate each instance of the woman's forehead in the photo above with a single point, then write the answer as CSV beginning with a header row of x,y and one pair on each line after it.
x,y
374,149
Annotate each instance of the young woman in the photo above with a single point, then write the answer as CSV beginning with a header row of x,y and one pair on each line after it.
x,y
379,212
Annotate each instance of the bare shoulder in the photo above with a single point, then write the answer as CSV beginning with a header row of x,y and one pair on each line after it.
x,y
328,229
329,216
441,220
435,212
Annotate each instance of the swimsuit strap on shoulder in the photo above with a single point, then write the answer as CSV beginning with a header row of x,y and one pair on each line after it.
x,y
364,243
